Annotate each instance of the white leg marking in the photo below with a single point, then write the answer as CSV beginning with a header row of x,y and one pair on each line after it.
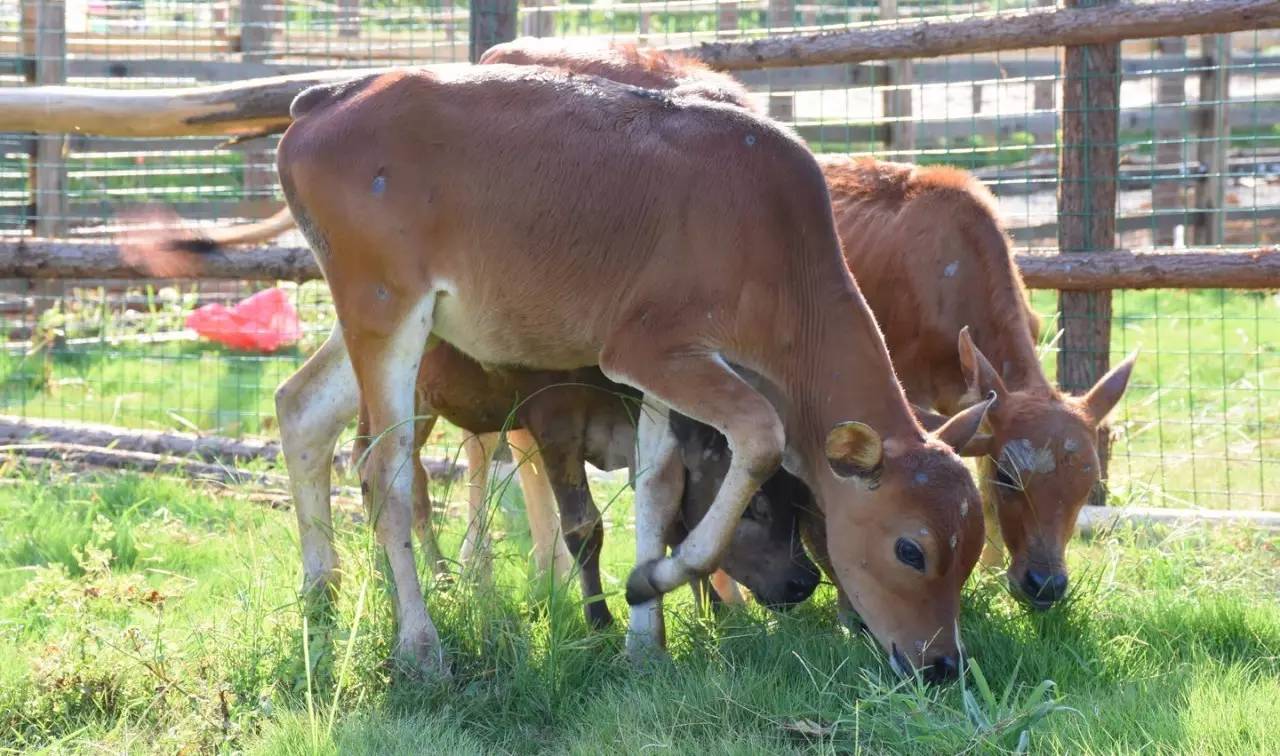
x,y
390,400
659,483
312,408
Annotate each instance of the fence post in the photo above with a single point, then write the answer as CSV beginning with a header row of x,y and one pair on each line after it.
x,y
1087,208
1214,132
1167,192
539,22
492,22
349,18
258,20
782,16
897,98
44,46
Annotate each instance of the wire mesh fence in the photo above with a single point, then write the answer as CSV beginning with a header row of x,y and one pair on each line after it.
x,y
1199,163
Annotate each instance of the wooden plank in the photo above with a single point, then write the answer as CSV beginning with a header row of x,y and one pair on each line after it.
x,y
1213,129
1090,159
1072,25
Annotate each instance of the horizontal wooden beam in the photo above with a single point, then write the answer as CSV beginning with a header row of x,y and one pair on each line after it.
x,y
242,108
1191,269
256,105
990,33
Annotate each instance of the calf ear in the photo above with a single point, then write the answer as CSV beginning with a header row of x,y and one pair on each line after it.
x,y
963,426
978,373
979,446
854,449
1106,393
928,419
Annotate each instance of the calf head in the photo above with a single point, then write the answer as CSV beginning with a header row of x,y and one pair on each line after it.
x,y
766,553
1039,465
902,551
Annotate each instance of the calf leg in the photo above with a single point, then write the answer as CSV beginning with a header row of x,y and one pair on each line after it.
x,y
387,368
702,386
422,525
549,552
312,408
659,482
477,550
726,588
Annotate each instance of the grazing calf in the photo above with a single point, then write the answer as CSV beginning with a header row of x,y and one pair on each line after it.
x,y
685,247
566,417
926,246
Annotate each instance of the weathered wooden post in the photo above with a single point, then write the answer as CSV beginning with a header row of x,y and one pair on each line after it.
x,y
492,22
537,20
259,22
44,46
781,16
897,97
1087,208
349,18
1214,132
1167,191
727,18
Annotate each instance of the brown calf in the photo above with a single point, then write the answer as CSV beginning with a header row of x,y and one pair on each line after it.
x,y
677,243
928,250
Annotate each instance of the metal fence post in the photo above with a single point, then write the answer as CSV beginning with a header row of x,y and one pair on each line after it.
x,y
492,22
1087,207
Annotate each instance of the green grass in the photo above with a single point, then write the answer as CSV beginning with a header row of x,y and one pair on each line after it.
x,y
149,615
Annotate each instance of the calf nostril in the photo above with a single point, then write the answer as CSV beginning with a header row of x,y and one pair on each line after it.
x,y
943,669
799,590
1045,588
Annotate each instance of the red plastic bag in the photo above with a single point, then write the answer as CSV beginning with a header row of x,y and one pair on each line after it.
x,y
264,322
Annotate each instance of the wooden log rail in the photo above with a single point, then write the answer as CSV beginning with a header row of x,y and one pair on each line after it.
x,y
258,105
1095,271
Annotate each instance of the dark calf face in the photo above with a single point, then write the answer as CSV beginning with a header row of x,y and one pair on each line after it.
x,y
766,553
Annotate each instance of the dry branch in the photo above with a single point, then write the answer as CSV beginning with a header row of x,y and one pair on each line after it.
x,y
1096,271
991,33
256,106
200,456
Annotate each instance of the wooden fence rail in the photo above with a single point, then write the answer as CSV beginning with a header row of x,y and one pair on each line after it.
x,y
254,105
1095,271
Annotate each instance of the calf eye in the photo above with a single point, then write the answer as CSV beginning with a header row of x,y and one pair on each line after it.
x,y
909,553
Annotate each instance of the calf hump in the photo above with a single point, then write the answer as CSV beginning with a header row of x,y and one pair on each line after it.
x,y
326,94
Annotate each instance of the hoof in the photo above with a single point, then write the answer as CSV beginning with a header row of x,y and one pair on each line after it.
x,y
640,587
423,660
598,615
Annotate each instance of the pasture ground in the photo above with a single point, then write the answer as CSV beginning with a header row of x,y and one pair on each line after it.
x,y
157,615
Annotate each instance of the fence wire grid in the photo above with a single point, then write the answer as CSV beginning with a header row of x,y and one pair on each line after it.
x,y
1199,146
